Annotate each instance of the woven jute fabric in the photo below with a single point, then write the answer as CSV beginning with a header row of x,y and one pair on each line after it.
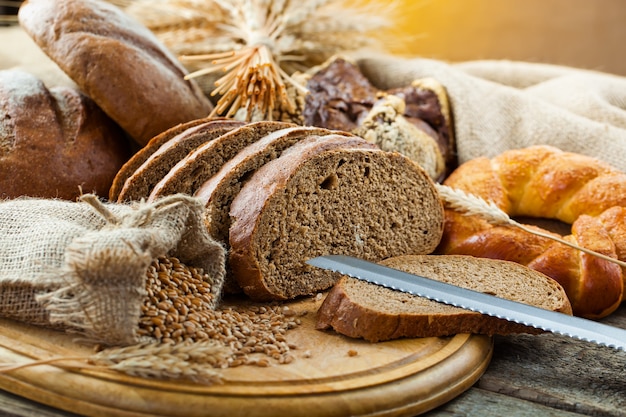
x,y
82,266
502,105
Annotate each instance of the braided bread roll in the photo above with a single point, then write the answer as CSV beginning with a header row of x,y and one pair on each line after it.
x,y
545,182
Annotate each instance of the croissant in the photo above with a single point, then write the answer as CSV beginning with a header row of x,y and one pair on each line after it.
x,y
546,182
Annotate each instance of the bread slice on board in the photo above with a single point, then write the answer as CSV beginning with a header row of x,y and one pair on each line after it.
x,y
359,309
362,202
158,164
206,160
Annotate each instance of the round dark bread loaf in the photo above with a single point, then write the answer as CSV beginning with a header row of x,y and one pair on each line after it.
x,y
144,153
359,309
206,160
117,62
55,143
140,184
362,202
219,191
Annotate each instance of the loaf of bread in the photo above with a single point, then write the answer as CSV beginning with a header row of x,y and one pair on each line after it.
x,y
359,309
545,182
141,182
362,202
55,143
342,98
117,62
203,162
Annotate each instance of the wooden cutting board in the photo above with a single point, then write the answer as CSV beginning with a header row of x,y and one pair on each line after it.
x,y
331,376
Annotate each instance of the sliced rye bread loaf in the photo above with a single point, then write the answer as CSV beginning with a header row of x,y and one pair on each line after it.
x,y
158,164
220,190
206,160
359,309
144,153
362,202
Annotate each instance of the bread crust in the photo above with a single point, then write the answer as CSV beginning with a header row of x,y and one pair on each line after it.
x,y
55,142
117,62
545,182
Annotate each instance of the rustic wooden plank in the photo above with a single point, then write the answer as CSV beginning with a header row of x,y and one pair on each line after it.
x,y
477,402
15,406
560,372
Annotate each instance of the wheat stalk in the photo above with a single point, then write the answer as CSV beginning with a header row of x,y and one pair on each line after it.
x,y
258,44
472,205
195,361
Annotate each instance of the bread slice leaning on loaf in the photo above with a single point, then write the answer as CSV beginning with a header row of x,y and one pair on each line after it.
x,y
362,202
359,309
141,182
203,162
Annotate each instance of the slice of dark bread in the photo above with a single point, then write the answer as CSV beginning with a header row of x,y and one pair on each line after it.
x,y
144,153
206,160
158,164
362,202
220,190
359,309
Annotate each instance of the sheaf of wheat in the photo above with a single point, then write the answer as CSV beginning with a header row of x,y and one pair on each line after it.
x,y
249,49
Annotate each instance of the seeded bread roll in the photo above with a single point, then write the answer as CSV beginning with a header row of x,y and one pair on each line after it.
x,y
53,143
117,62
206,160
362,202
219,191
342,97
144,153
359,309
140,184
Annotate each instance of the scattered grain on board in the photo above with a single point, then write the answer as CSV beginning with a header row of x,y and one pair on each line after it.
x,y
179,308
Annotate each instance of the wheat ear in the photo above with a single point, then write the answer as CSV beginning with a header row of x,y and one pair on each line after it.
x,y
195,361
472,205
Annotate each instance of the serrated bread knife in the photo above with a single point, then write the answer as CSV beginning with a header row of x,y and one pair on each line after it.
x,y
575,327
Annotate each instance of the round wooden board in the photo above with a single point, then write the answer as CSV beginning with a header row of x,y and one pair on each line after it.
x,y
331,376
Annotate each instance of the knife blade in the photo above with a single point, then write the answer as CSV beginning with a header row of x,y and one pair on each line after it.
x,y
550,321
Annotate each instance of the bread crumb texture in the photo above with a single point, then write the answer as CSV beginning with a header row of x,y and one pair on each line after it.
x,y
370,204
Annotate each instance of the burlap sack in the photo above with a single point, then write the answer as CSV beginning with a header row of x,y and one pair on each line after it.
x,y
81,266
501,105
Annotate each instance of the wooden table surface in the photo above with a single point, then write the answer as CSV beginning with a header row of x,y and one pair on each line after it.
x,y
545,375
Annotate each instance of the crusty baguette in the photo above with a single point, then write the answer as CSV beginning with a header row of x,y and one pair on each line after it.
x,y
359,309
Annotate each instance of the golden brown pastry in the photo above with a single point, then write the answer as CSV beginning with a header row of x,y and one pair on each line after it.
x,y
545,182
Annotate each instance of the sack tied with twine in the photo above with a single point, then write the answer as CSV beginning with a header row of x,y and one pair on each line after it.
x,y
81,266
